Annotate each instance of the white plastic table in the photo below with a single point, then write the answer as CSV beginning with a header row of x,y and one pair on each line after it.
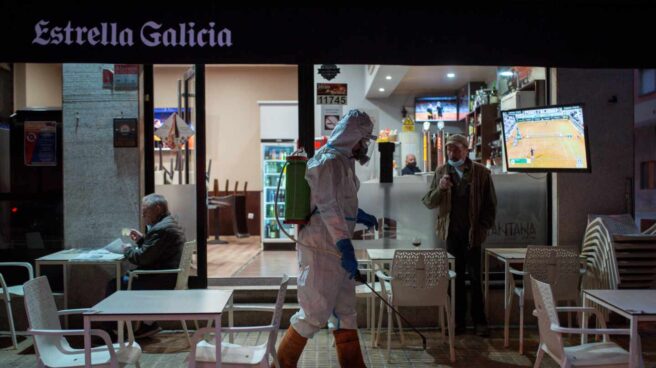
x,y
161,305
636,305
66,258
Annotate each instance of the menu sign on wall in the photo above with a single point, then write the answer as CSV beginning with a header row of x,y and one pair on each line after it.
x,y
331,93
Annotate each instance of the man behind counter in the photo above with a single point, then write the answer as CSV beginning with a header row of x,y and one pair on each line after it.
x,y
410,165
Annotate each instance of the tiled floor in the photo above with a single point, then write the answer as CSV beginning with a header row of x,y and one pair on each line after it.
x,y
244,258
226,260
170,350
271,263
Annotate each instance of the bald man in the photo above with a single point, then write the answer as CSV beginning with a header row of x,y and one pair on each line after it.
x,y
410,165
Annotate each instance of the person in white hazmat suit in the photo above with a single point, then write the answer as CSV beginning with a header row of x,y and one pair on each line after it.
x,y
326,285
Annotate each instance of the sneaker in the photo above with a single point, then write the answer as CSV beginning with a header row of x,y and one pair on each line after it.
x,y
482,331
147,330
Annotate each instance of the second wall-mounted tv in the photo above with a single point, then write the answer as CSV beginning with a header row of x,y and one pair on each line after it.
x,y
549,138
433,109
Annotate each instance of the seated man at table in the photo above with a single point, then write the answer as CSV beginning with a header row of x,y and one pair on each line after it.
x,y
160,248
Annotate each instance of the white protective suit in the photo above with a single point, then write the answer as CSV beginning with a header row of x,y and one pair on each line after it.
x,y
324,287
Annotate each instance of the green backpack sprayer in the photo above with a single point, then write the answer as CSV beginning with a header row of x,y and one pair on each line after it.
x,y
298,211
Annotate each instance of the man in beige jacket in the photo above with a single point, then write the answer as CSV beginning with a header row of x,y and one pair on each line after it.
x,y
463,193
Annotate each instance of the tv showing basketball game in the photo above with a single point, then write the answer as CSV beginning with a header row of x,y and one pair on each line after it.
x,y
438,108
550,138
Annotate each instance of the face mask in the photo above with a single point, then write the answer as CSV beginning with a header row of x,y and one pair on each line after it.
x,y
456,163
361,154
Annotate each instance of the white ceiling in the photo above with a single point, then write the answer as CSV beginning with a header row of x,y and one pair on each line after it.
x,y
420,80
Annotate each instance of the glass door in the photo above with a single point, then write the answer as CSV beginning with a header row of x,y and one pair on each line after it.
x,y
175,146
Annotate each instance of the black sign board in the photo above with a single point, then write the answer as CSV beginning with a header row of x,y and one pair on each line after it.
x,y
533,34
125,133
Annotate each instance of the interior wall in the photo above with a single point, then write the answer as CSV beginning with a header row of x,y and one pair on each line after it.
x,y
609,107
233,116
37,85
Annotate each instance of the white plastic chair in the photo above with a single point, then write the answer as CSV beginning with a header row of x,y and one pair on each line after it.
x,y
182,282
599,354
240,356
52,348
362,291
8,292
557,266
418,278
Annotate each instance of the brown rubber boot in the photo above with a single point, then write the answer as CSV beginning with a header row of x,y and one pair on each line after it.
x,y
290,349
348,349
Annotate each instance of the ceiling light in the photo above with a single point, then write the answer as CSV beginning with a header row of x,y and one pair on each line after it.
x,y
381,89
507,73
389,77
451,75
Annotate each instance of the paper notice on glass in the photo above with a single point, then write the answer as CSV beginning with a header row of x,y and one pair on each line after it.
x,y
115,246
97,255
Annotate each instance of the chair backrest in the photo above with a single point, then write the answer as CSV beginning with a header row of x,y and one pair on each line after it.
x,y
420,277
546,312
568,274
277,314
554,265
182,283
42,315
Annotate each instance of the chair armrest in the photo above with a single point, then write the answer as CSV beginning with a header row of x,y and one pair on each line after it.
x,y
154,272
591,331
100,333
600,317
576,309
517,272
28,266
136,273
267,328
66,312
251,309
381,275
452,275
201,332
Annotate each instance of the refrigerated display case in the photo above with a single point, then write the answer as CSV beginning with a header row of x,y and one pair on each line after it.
x,y
273,161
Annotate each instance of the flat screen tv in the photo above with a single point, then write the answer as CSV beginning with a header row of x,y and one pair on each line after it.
x,y
433,109
549,138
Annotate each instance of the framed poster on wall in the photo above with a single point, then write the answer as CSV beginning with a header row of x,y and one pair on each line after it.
x,y
40,143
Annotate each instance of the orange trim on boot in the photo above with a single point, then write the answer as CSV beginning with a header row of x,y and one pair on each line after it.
x,y
290,349
349,353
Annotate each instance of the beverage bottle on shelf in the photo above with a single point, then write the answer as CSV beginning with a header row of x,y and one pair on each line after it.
x,y
274,230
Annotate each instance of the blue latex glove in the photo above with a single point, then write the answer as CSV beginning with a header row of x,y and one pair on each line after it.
x,y
366,219
348,257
